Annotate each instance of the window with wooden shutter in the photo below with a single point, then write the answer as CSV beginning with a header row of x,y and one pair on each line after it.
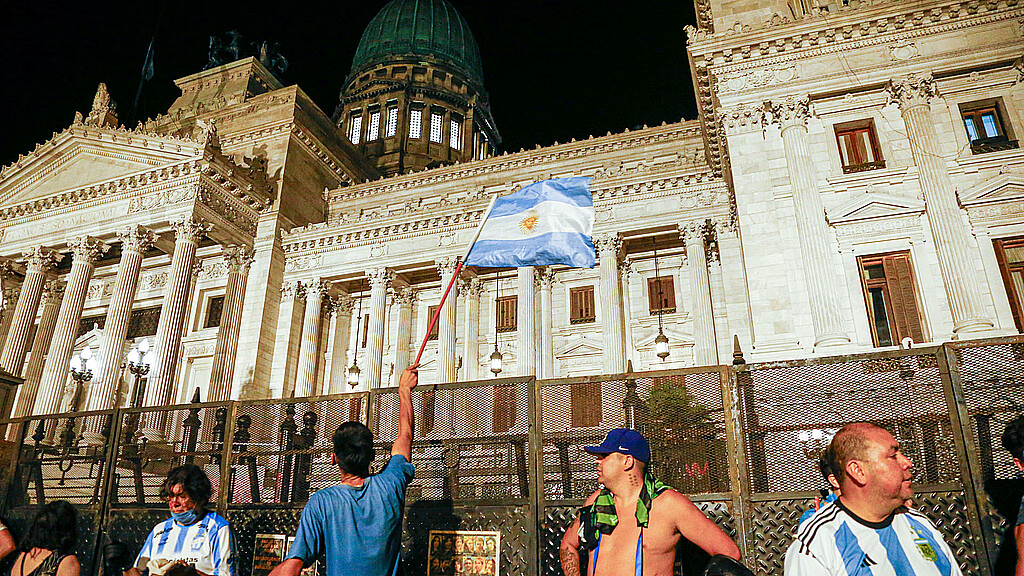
x,y
585,400
366,329
581,305
1010,255
858,146
506,313
504,414
891,298
427,412
430,314
661,295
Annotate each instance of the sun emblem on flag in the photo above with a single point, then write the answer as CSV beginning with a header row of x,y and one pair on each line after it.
x,y
528,225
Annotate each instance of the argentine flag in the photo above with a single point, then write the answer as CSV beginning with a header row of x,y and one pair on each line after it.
x,y
548,222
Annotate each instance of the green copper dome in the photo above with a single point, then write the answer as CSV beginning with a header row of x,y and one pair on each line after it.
x,y
424,27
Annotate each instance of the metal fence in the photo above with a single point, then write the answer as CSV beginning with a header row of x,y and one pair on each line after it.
x,y
507,455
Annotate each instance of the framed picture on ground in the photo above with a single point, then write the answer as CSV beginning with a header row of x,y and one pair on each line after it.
x,y
463,553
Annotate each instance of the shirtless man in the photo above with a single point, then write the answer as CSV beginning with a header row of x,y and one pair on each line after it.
x,y
637,520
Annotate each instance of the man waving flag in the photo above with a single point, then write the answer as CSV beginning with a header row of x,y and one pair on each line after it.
x,y
548,222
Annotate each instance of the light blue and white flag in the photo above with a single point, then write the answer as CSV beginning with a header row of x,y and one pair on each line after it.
x,y
548,222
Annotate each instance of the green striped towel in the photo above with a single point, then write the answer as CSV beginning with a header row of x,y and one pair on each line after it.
x,y
600,517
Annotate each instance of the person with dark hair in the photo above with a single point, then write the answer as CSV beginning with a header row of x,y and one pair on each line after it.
x,y
869,529
1013,441
357,524
631,525
827,495
47,545
193,536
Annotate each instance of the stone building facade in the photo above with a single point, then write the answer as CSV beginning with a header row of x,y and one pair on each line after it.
x,y
853,180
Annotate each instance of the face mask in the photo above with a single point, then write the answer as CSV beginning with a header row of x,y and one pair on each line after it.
x,y
185,518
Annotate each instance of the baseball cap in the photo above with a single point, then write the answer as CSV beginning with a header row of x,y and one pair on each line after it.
x,y
624,441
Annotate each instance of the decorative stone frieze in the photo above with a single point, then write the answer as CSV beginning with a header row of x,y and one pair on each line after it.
x,y
755,79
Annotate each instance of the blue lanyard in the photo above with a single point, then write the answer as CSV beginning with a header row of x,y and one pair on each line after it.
x,y
638,569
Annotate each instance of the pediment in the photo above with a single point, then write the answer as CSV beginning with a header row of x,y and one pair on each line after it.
x,y
578,347
875,205
80,158
1001,188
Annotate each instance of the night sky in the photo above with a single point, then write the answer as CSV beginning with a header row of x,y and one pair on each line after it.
x,y
555,70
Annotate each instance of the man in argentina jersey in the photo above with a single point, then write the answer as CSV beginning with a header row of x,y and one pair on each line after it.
x,y
193,535
869,531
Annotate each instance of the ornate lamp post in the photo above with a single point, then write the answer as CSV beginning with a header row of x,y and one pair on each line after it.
x,y
496,355
82,366
140,360
352,376
661,341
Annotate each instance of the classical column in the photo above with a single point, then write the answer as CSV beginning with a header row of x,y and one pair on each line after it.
x,y
472,289
545,279
446,338
135,241
405,297
342,305
169,330
309,345
705,343
380,281
812,229
956,259
612,323
8,299
237,259
38,262
50,303
86,250
526,321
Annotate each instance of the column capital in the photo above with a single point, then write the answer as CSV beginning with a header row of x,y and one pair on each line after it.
x,y
790,113
607,243
405,296
693,230
238,258
40,259
912,90
380,277
190,229
447,264
471,287
342,303
136,238
54,290
6,269
545,278
293,289
87,249
316,286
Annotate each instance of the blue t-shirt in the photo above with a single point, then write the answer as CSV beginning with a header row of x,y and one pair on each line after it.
x,y
358,530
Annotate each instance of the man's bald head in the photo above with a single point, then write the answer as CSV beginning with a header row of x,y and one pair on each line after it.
x,y
852,442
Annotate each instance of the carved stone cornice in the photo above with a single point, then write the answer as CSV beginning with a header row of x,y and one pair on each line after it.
x,y
87,249
41,259
190,229
380,277
790,113
53,291
136,239
912,90
238,258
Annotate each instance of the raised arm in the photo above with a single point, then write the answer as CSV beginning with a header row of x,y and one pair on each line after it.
x,y
698,528
403,443
569,550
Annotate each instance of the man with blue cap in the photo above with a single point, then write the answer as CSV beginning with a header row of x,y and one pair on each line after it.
x,y
632,524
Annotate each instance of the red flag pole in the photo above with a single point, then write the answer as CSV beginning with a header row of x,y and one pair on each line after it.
x,y
455,275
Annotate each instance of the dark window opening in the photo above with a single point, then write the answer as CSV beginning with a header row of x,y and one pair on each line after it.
x,y
214,311
891,298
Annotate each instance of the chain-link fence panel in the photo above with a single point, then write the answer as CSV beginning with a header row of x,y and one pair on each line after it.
x,y
153,441
680,413
471,440
59,458
281,449
790,411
